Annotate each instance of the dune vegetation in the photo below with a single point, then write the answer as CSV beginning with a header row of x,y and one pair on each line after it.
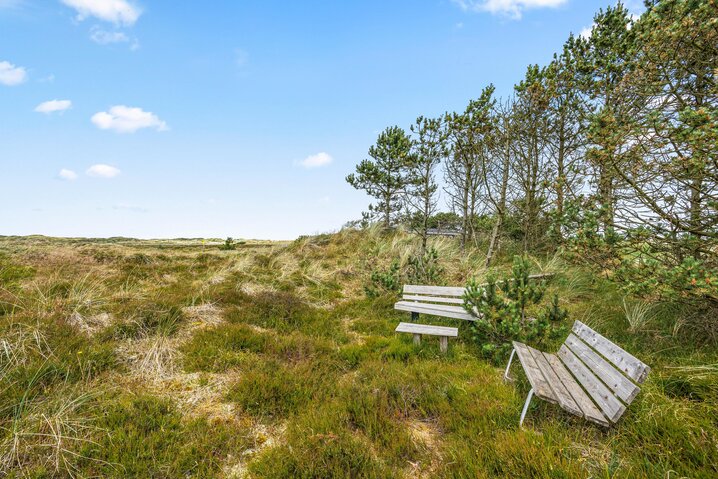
x,y
128,358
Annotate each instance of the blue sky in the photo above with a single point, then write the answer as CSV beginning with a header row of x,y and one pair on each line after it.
x,y
159,119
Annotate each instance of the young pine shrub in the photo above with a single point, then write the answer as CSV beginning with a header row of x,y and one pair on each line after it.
x,y
384,281
424,268
502,311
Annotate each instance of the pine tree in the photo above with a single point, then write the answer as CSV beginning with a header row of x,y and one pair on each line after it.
x,y
605,61
429,147
382,177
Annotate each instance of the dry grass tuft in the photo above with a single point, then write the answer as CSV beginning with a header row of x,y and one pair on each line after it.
x,y
91,324
47,432
206,314
427,437
19,343
152,358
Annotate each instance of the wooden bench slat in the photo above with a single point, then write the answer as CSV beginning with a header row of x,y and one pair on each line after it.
x,y
533,373
626,362
456,312
453,290
562,395
431,330
602,396
588,408
434,290
430,299
613,378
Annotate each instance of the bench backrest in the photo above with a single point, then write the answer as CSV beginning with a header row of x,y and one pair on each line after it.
x,y
434,294
444,294
605,370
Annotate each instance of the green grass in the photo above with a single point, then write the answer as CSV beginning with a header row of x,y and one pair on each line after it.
x,y
295,373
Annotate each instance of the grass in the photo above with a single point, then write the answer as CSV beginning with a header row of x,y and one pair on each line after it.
x,y
126,358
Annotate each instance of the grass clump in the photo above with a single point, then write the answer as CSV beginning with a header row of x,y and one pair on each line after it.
x,y
219,349
320,445
276,390
144,436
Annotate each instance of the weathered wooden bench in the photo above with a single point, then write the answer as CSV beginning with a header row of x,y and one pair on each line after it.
x,y
590,376
443,332
445,301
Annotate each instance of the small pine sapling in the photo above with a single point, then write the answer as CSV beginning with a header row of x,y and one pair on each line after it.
x,y
501,311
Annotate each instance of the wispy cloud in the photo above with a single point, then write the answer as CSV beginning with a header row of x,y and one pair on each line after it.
x,y
125,119
101,170
316,161
67,175
11,75
106,37
119,12
53,106
103,37
241,57
129,207
510,8
11,4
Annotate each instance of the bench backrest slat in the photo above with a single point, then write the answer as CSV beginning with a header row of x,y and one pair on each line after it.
x,y
601,395
434,290
612,377
451,291
432,299
624,361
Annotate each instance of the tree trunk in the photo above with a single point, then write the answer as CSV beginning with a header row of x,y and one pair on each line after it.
x,y
501,206
560,179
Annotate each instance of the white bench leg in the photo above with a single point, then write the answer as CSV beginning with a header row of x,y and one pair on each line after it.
x,y
506,373
443,343
526,407
417,339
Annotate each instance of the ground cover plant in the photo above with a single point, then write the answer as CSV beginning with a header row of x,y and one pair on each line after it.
x,y
133,358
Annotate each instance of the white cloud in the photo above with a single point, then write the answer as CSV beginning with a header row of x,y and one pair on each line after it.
x,y
103,37
11,75
67,175
316,161
125,119
587,31
102,171
512,8
119,12
53,106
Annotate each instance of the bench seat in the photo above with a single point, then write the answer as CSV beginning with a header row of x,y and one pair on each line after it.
x,y
418,330
444,310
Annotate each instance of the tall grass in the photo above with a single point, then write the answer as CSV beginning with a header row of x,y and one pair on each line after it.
x,y
638,314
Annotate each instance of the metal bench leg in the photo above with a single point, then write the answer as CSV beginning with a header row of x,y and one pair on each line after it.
x,y
526,407
506,373
414,317
417,339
